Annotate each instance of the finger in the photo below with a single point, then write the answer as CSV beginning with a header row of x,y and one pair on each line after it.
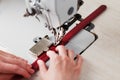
x,y
52,55
15,69
18,62
7,54
42,66
22,64
30,70
71,54
62,51
79,61
10,55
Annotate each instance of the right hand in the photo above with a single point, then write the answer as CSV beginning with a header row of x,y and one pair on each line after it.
x,y
11,65
62,66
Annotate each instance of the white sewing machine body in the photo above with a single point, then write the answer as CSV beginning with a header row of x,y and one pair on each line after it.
x,y
58,11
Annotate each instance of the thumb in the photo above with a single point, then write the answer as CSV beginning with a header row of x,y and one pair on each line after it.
x,y
42,66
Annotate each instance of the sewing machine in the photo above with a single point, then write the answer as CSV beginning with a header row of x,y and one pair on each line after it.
x,y
64,27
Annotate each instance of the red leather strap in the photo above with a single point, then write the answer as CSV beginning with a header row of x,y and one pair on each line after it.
x,y
82,24
72,33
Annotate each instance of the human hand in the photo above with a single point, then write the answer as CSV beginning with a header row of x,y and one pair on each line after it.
x,y
62,65
11,65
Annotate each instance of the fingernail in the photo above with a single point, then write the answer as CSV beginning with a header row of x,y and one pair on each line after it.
x,y
32,71
40,62
47,53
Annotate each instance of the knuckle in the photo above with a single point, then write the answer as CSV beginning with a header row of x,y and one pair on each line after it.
x,y
16,68
77,68
72,53
57,58
80,58
19,62
65,58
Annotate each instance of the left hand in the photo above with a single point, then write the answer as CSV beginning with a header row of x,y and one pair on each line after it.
x,y
11,65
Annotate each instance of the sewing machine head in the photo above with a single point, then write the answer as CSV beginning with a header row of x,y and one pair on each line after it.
x,y
56,14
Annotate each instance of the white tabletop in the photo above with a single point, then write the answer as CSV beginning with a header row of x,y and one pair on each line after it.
x,y
102,59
